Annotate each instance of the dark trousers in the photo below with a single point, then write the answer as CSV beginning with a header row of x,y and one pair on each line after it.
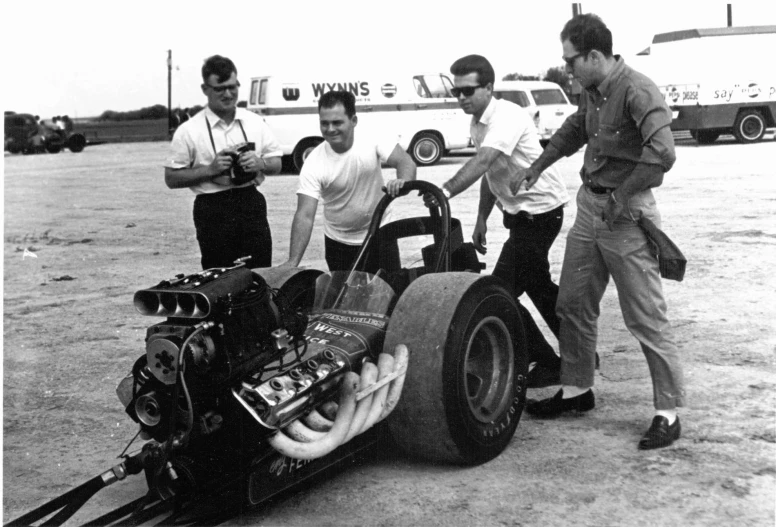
x,y
524,265
341,256
232,224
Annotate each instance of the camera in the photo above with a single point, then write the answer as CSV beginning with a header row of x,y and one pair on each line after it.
x,y
238,175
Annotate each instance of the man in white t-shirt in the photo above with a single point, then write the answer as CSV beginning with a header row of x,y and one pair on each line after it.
x,y
506,138
345,174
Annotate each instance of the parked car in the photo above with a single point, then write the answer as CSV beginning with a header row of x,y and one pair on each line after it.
x,y
545,102
27,134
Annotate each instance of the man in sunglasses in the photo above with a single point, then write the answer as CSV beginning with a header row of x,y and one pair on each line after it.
x,y
625,123
506,139
222,154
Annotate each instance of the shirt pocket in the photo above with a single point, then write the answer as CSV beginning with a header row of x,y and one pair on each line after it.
x,y
619,141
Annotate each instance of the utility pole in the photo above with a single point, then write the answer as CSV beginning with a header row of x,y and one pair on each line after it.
x,y
730,15
169,93
576,9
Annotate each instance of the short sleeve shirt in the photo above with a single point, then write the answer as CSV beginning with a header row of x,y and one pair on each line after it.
x,y
191,146
509,129
349,185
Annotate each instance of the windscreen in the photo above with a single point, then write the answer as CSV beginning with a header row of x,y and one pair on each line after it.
x,y
358,291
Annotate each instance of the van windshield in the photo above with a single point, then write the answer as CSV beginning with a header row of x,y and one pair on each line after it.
x,y
433,86
543,97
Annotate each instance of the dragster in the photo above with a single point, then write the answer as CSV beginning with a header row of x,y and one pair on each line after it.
x,y
253,372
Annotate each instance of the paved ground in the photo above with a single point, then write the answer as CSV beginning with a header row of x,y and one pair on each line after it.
x,y
102,224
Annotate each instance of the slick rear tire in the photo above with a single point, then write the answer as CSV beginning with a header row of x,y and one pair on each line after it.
x,y
464,391
749,126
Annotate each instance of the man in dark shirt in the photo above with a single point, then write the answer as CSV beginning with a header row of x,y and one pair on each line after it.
x,y
625,123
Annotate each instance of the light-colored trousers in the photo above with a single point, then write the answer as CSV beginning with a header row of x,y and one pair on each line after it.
x,y
593,253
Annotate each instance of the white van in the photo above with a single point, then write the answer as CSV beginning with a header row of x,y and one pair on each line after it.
x,y
545,102
418,109
722,87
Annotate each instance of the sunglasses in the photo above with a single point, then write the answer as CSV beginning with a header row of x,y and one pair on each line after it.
x,y
221,89
570,61
467,91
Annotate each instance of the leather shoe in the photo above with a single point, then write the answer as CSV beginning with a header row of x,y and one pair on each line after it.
x,y
660,433
556,405
542,376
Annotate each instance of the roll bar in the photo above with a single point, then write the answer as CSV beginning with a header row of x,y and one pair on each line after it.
x,y
439,212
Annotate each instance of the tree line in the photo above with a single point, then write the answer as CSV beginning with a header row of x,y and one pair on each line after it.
x,y
157,111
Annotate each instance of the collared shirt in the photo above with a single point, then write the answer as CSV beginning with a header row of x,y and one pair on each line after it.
x,y
191,146
509,129
624,121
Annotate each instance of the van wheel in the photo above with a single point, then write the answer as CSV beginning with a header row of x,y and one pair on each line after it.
x,y
749,126
53,149
464,390
303,150
426,149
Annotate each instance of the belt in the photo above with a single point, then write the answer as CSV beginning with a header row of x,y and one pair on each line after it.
x,y
599,190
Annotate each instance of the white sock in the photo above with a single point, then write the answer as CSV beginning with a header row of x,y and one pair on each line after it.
x,y
668,414
573,391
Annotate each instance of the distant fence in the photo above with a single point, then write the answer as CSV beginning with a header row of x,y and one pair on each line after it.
x,y
123,131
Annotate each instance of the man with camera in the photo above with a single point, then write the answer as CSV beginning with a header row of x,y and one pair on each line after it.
x,y
222,154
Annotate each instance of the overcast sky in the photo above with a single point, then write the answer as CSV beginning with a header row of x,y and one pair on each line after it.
x,y
79,57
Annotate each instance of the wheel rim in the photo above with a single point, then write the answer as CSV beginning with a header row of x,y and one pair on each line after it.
x,y
489,369
751,127
426,150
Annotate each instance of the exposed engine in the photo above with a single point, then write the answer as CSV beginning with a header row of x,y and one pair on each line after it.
x,y
222,324
242,394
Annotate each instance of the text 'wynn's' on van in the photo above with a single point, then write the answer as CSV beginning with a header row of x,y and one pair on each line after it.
x,y
419,110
